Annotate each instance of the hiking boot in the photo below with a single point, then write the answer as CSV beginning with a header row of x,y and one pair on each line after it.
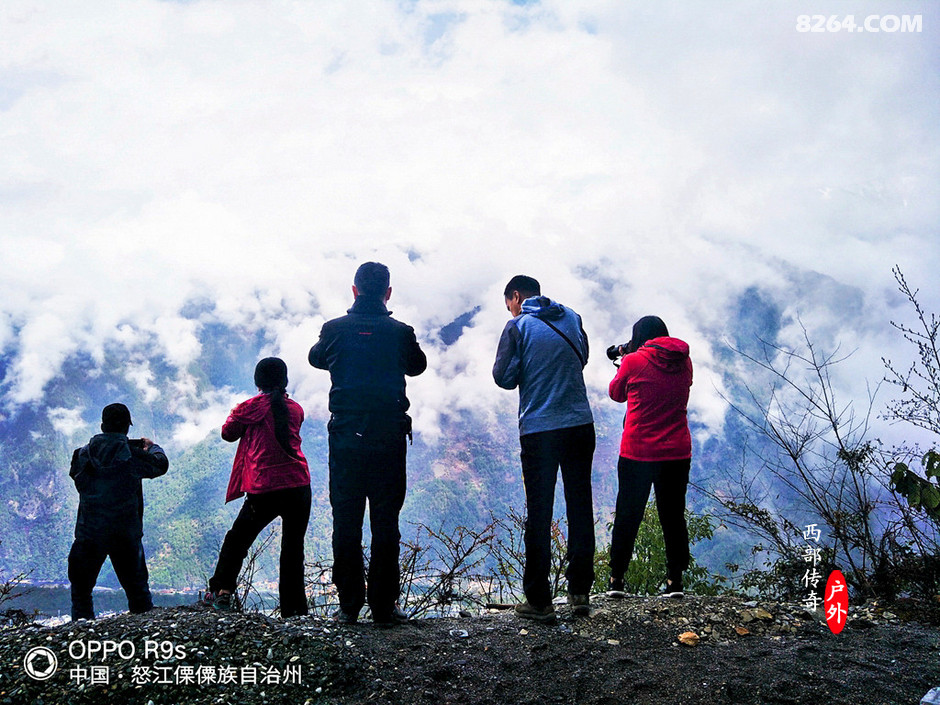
x,y
341,616
392,619
615,589
580,605
673,590
546,615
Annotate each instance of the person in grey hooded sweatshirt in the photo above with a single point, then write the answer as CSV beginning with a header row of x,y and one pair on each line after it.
x,y
107,474
543,351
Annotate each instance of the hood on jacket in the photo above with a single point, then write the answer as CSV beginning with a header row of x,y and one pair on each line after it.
x,y
106,449
669,354
543,307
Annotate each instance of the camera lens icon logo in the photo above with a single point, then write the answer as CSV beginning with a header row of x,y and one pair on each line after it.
x,y
40,663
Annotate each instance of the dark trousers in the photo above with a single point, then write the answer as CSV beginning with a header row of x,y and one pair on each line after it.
x,y
670,478
542,454
374,471
259,510
127,558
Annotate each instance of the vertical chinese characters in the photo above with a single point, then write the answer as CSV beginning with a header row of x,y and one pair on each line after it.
x,y
812,577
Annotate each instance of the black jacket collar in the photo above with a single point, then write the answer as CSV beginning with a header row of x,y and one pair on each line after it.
x,y
369,307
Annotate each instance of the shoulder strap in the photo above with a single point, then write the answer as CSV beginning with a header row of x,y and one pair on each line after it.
x,y
567,340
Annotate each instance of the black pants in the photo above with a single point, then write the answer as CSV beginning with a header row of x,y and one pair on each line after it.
x,y
259,510
670,478
366,470
542,454
127,558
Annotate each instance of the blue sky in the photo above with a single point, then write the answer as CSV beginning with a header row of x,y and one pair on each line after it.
x,y
637,158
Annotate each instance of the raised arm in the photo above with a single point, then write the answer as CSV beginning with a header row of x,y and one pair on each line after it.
x,y
618,385
149,459
233,429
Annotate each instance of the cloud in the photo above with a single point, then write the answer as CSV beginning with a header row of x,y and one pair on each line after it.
x,y
636,158
67,421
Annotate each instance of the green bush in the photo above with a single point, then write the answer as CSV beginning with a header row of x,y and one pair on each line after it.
x,y
920,492
647,571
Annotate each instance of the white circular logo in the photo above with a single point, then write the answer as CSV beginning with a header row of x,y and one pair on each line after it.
x,y
40,663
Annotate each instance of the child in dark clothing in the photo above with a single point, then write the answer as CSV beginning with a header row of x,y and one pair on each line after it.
x,y
107,474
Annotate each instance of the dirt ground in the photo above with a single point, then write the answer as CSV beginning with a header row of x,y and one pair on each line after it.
x,y
626,651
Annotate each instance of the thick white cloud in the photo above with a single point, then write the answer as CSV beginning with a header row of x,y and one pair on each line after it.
x,y
635,157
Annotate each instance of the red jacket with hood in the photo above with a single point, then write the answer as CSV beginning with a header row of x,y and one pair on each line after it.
x,y
655,381
261,465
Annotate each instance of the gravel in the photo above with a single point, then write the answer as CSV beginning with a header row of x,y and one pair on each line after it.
x,y
627,650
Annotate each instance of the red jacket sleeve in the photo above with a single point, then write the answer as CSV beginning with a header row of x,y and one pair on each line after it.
x,y
618,385
232,429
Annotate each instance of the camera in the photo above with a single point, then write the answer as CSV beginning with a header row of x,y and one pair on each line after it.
x,y
615,352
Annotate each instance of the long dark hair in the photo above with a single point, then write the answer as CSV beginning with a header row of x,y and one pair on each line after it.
x,y
271,379
646,328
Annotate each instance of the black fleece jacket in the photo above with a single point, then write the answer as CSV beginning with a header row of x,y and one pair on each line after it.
x,y
107,474
368,354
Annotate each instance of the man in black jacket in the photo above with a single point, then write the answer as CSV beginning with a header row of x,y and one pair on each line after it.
x,y
368,354
107,474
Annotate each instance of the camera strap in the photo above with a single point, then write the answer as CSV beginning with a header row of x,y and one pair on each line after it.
x,y
567,340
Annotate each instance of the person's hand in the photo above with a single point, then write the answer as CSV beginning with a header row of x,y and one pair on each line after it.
x,y
145,443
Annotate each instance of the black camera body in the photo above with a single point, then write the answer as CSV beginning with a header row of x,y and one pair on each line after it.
x,y
615,352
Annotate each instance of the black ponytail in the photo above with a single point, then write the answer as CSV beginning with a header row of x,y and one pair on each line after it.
x,y
281,419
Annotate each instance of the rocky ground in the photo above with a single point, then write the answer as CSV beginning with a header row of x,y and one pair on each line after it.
x,y
634,650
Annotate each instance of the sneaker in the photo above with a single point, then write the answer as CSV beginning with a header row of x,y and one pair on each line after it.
x,y
223,602
545,615
580,605
205,599
615,589
673,590
227,602
394,618
341,616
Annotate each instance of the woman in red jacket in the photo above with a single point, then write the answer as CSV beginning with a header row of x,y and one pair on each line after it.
x,y
271,470
656,449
